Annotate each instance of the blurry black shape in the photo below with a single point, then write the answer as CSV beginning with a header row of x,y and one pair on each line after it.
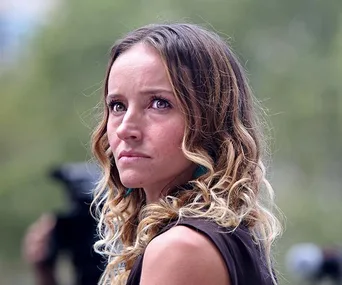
x,y
331,266
315,264
75,230
79,180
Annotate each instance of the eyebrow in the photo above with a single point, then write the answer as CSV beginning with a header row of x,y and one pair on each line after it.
x,y
147,91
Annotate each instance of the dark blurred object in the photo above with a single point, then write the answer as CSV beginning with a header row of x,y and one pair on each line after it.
x,y
314,264
75,229
79,180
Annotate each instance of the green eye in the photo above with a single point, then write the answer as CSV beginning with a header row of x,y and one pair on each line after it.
x,y
116,107
160,104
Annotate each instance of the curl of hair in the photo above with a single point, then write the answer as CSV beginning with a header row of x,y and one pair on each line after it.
x,y
222,134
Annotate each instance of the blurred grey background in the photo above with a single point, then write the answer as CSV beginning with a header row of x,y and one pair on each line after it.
x,y
53,56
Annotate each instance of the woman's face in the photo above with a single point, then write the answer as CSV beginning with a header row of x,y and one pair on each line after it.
x,y
145,126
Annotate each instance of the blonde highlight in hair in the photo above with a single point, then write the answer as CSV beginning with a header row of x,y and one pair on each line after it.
x,y
222,134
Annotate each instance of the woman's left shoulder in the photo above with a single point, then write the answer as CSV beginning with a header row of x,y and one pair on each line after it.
x,y
182,255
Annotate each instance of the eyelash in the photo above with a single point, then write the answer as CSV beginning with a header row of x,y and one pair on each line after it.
x,y
112,103
162,99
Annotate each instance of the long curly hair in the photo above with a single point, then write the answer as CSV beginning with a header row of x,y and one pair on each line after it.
x,y
222,134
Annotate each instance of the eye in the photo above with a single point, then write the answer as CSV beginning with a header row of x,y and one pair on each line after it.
x,y
160,103
116,107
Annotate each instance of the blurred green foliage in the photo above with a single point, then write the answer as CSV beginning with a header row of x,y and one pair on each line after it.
x,y
292,51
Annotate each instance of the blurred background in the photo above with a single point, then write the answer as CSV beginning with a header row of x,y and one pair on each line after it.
x,y
53,55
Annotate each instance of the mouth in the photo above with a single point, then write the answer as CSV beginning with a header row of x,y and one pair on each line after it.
x,y
132,155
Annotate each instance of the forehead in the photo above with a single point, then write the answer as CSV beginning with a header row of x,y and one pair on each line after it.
x,y
141,65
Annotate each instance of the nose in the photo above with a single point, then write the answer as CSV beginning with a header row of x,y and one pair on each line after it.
x,y
130,128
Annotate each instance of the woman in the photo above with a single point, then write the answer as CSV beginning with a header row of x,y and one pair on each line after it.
x,y
181,153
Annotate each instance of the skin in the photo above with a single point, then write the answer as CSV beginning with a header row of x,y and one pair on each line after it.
x,y
36,247
183,256
140,122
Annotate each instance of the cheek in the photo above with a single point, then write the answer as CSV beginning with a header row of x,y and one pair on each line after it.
x,y
170,140
111,135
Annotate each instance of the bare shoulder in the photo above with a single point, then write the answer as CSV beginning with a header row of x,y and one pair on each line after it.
x,y
180,256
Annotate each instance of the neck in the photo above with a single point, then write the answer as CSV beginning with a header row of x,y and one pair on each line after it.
x,y
155,192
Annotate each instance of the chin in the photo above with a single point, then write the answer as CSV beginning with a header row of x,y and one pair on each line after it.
x,y
131,184
132,181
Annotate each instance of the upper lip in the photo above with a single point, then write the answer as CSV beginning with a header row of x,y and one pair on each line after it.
x,y
132,153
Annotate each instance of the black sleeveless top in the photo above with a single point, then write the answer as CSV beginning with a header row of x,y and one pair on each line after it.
x,y
244,259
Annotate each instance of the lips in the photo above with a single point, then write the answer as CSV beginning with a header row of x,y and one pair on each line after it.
x,y
132,154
